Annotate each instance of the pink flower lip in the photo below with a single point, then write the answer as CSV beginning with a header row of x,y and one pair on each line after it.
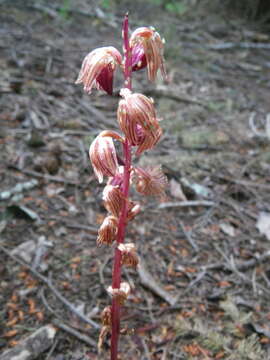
x,y
138,58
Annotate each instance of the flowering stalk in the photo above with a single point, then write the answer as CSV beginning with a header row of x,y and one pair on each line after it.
x,y
140,126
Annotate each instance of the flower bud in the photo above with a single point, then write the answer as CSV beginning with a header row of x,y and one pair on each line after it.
x,y
106,316
107,232
113,199
121,294
98,69
129,256
102,154
151,181
147,49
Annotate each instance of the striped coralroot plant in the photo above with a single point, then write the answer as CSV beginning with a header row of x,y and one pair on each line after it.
x,y
141,131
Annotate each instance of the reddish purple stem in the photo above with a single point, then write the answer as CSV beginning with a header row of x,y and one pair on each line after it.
x,y
123,217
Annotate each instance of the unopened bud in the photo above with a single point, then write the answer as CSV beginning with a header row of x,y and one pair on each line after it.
x,y
129,255
106,316
102,154
121,294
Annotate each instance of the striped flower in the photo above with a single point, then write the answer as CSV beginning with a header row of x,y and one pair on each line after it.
x,y
98,68
102,154
147,50
138,120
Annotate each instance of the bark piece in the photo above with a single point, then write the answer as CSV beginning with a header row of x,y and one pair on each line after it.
x,y
31,347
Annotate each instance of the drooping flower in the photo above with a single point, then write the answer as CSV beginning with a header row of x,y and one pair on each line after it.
x,y
129,255
108,231
102,154
98,69
138,120
147,50
120,294
151,181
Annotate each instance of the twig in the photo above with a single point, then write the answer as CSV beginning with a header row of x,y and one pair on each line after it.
x,y
257,260
75,333
199,277
242,182
189,238
91,229
46,304
243,45
185,204
172,95
232,267
146,349
101,270
45,280
44,176
98,114
242,266
48,356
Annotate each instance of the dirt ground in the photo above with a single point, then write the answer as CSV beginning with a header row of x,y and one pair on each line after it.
x,y
203,290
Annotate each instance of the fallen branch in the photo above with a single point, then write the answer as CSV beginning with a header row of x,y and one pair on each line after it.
x,y
150,283
185,204
74,332
173,96
242,45
45,176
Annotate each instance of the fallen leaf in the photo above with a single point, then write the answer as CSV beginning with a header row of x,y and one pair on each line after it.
x,y
228,229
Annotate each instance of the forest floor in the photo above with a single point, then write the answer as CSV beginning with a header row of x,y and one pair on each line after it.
x,y
203,289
